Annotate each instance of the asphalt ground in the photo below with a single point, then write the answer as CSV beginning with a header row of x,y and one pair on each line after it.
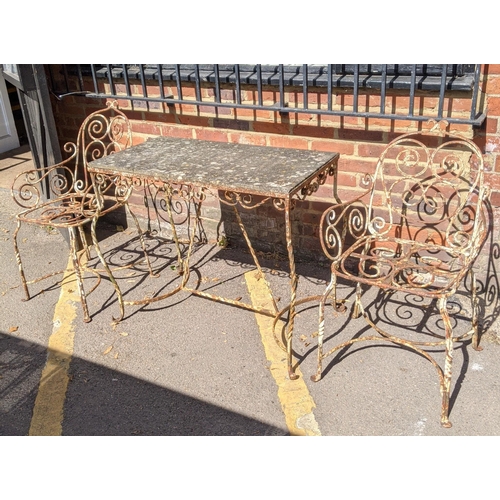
x,y
188,366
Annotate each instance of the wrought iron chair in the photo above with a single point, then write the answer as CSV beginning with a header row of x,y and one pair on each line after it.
x,y
73,199
417,229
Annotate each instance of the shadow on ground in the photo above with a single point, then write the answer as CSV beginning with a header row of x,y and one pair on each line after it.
x,y
103,402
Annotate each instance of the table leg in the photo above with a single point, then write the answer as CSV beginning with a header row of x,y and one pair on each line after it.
x,y
182,262
254,255
168,199
232,302
293,291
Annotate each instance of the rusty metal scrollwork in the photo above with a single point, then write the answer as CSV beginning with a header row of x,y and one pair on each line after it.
x,y
244,200
418,229
315,183
345,221
72,198
279,204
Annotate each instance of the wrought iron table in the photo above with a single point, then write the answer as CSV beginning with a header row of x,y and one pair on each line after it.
x,y
238,175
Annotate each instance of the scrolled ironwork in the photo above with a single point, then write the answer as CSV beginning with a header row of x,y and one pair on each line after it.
x,y
341,222
417,230
244,200
27,188
313,185
332,242
279,204
66,196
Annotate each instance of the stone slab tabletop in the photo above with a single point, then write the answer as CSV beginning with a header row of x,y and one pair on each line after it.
x,y
234,167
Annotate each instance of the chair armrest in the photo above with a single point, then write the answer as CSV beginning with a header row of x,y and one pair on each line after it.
x,y
343,223
58,180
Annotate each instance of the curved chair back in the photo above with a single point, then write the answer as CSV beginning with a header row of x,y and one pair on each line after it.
x,y
102,133
429,188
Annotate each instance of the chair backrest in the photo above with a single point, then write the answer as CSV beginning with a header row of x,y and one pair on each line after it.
x,y
102,133
429,187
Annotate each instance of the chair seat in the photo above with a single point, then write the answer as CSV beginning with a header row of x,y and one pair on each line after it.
x,y
397,264
69,210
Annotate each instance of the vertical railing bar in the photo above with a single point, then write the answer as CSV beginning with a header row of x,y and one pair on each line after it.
x,y
51,74
127,81
143,81
330,87
475,92
143,84
178,81
217,83
259,84
197,81
110,79
356,89
65,73
304,86
238,83
94,78
442,91
80,76
383,88
412,89
444,84
281,85
160,81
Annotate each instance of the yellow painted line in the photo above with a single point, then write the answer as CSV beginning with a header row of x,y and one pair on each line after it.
x,y
49,404
295,399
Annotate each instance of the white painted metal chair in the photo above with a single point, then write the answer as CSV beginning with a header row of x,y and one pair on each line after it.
x,y
417,230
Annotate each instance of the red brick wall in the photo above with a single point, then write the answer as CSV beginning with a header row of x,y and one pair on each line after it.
x,y
359,141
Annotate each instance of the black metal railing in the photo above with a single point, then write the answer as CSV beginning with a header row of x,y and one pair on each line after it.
x,y
413,80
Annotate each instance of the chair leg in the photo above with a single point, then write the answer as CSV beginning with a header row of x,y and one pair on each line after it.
x,y
446,380
474,304
332,286
84,241
357,309
20,264
108,271
76,266
143,243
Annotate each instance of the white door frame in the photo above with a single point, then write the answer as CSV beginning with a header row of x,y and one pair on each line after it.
x,y
8,132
